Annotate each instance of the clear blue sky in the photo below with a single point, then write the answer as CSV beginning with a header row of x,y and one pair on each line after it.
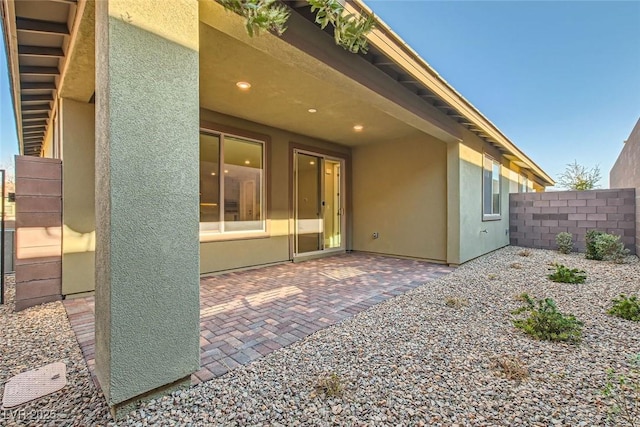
x,y
561,79
8,138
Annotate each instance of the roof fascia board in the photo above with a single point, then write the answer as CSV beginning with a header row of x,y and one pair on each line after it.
x,y
78,15
388,42
11,46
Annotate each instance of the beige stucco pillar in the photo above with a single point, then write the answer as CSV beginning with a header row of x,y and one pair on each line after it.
x,y
147,180
453,203
77,133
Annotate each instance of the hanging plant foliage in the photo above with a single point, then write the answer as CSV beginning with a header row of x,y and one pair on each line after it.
x,y
349,31
270,15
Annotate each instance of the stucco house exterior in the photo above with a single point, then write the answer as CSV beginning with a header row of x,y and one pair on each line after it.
x,y
625,172
182,146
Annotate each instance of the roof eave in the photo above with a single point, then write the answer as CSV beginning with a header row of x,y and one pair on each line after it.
x,y
450,94
11,46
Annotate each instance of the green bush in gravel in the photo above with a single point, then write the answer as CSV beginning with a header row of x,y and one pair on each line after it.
x,y
590,241
626,308
604,247
610,248
545,322
567,275
564,241
623,392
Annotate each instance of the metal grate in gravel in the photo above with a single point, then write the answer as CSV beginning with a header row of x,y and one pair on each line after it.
x,y
33,384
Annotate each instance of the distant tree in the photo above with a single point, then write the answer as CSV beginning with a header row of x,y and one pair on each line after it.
x,y
579,177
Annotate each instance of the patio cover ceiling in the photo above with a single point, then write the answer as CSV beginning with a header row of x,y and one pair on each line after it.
x,y
37,34
281,93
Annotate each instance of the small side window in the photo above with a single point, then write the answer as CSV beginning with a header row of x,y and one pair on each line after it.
x,y
491,189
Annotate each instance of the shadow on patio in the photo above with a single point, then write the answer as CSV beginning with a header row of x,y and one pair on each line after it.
x,y
248,314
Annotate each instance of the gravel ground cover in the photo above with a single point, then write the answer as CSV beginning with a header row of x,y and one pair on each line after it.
x,y
412,360
36,337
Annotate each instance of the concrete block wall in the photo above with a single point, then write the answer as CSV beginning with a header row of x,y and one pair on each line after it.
x,y
626,173
38,231
536,218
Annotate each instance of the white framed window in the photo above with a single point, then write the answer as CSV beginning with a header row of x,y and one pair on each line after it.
x,y
232,186
524,184
491,189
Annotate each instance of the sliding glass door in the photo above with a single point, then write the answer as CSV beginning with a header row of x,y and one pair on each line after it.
x,y
318,203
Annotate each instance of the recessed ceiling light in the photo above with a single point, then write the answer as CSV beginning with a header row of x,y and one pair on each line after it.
x,y
358,128
213,174
243,85
246,162
312,110
226,171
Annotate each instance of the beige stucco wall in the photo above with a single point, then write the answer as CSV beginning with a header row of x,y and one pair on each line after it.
x,y
626,173
47,142
230,254
78,195
400,192
473,240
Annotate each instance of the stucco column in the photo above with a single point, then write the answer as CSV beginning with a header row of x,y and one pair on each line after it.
x,y
147,181
453,203
77,134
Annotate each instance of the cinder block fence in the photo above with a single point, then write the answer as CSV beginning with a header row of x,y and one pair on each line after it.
x,y
536,218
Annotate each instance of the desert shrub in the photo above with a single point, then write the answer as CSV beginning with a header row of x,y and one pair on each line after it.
x,y
516,265
590,241
525,253
456,302
564,241
623,392
567,275
626,308
512,368
545,322
329,385
610,248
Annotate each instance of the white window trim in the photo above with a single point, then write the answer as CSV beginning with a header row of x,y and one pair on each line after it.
x,y
492,216
523,184
221,234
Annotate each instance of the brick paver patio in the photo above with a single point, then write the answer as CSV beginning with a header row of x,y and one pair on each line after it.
x,y
248,314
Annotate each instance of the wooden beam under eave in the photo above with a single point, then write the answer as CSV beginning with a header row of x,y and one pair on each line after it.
x,y
36,107
34,98
37,86
33,133
38,26
40,124
382,61
31,117
406,80
34,129
29,70
26,50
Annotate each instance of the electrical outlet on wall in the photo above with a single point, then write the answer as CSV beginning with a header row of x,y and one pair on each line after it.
x,y
375,235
